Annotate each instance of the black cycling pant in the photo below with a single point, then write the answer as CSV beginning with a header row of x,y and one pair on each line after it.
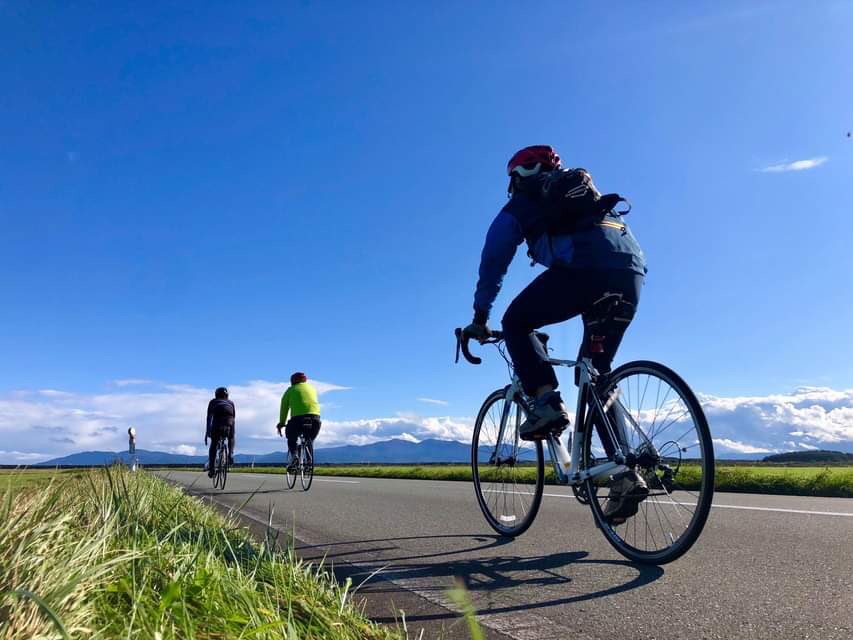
x,y
307,425
554,296
225,431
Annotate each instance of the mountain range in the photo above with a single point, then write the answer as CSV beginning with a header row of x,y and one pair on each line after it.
x,y
387,451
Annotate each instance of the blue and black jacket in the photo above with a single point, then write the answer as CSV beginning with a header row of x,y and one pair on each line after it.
x,y
602,243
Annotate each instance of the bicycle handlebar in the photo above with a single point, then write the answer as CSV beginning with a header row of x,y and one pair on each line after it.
x,y
462,344
494,337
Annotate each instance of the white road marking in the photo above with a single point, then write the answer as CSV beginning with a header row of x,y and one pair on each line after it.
x,y
316,479
812,513
717,506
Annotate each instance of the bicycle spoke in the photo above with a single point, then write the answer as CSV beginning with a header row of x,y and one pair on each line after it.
x,y
664,428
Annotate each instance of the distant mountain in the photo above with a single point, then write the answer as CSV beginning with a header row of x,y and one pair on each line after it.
x,y
820,456
388,451
385,452
97,458
399,451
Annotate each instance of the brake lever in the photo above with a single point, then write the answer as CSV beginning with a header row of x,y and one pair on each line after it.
x,y
458,345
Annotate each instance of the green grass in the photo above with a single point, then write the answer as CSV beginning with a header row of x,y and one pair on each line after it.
x,y
835,481
110,554
21,479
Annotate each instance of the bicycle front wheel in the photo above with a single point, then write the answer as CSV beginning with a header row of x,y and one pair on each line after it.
x,y
509,473
291,470
660,422
307,470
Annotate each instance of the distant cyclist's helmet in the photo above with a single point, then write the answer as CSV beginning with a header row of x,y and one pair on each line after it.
x,y
221,393
531,160
298,377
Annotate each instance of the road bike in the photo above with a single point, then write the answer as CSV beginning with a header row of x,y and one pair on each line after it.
x,y
303,464
220,468
641,416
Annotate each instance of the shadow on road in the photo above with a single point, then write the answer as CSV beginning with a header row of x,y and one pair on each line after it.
x,y
530,575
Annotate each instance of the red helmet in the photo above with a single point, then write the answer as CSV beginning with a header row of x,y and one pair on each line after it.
x,y
525,162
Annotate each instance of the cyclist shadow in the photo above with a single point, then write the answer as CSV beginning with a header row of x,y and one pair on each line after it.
x,y
391,573
321,551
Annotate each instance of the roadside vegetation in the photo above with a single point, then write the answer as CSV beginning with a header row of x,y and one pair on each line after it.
x,y
829,481
16,479
112,554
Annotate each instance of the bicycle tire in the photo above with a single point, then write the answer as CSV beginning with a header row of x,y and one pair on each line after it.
x,y
222,465
306,472
686,534
290,472
506,524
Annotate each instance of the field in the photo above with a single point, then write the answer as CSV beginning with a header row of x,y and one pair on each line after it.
x,y
16,480
833,481
107,554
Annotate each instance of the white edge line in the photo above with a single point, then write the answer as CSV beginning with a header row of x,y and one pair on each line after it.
x,y
718,506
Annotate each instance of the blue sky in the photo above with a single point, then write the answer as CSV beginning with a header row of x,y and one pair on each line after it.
x,y
198,194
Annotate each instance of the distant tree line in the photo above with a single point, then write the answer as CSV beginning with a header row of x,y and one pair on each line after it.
x,y
822,457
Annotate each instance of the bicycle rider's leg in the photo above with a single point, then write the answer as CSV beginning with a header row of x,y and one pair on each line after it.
x,y
311,433
555,296
231,440
291,433
629,284
211,453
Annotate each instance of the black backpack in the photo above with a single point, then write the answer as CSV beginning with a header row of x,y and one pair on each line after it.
x,y
571,201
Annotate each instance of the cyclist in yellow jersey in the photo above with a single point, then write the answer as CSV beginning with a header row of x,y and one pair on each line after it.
x,y
300,401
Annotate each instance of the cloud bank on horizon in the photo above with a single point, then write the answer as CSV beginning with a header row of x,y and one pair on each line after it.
x,y
41,424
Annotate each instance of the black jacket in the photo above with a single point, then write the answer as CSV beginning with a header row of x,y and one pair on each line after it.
x,y
220,413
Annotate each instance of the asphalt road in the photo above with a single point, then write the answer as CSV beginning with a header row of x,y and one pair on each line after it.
x,y
765,566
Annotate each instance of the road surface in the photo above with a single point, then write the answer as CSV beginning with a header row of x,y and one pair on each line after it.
x,y
765,567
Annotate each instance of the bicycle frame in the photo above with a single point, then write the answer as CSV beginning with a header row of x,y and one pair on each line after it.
x,y
583,422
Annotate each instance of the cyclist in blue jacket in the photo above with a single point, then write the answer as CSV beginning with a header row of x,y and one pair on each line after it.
x,y
603,257
599,257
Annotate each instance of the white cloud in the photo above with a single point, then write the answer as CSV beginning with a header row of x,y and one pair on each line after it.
x,y
171,417
796,165
165,418
184,449
433,401
53,393
23,456
739,447
126,382
819,415
407,426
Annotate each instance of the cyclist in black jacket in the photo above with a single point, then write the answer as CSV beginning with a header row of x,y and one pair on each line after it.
x,y
221,415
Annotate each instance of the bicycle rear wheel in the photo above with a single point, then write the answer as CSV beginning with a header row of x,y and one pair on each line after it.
x,y
508,474
307,470
290,471
222,465
658,417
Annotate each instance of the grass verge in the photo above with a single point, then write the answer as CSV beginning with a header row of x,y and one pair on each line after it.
x,y
781,480
108,554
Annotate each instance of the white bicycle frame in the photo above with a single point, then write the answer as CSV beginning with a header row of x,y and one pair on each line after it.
x,y
578,474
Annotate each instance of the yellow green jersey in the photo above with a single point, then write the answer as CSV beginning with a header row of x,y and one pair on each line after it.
x,y
300,399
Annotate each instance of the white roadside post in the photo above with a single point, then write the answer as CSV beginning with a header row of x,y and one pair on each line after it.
x,y
131,448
